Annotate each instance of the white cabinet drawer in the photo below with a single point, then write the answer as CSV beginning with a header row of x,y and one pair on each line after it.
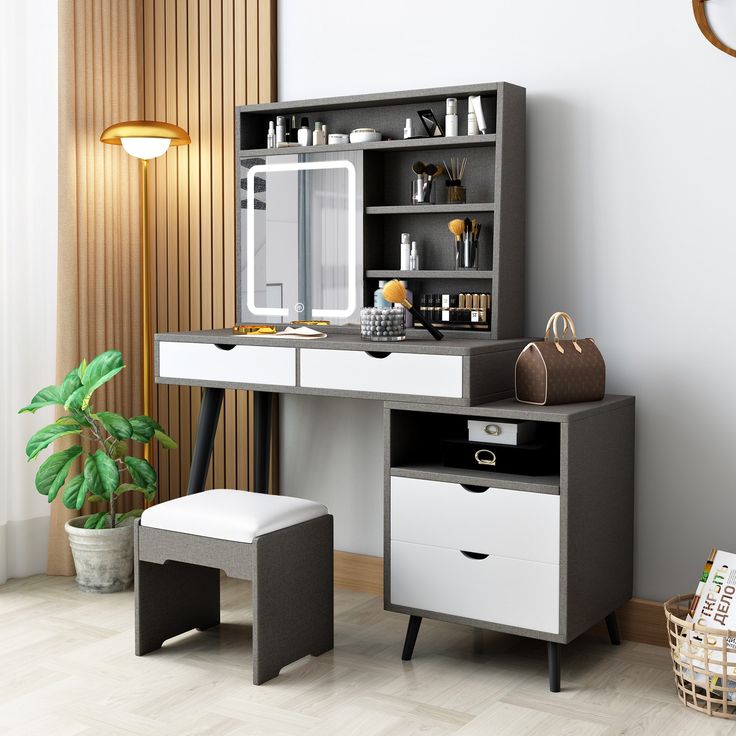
x,y
517,524
248,364
399,373
496,589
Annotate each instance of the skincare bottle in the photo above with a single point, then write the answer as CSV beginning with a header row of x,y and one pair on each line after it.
x,y
472,120
378,301
451,117
271,137
318,137
413,257
408,129
405,251
280,129
410,298
304,135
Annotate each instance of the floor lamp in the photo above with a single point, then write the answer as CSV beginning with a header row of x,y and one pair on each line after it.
x,y
145,139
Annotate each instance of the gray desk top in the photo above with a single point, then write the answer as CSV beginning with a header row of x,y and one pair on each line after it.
x,y
512,409
451,345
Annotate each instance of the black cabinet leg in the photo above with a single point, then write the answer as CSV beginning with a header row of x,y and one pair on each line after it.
x,y
612,626
209,414
412,630
553,665
262,403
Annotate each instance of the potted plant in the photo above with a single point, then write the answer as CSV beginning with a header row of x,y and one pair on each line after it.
x,y
101,543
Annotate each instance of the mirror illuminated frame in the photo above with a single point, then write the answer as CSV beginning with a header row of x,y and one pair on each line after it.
x,y
316,313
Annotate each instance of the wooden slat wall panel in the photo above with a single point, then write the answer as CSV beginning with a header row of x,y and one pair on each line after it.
x,y
199,59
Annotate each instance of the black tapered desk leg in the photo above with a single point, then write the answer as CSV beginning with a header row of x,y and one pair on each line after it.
x,y
612,626
412,630
553,665
262,403
209,414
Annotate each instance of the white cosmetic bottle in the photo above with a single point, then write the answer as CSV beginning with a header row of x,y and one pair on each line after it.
x,y
405,251
318,137
451,117
413,257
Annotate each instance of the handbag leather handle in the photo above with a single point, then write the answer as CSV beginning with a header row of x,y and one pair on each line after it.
x,y
567,322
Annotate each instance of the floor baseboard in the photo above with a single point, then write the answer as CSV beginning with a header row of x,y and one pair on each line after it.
x,y
638,620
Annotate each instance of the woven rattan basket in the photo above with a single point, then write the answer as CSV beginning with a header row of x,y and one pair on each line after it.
x,y
699,657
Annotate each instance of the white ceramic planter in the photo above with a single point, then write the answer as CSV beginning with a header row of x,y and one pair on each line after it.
x,y
103,558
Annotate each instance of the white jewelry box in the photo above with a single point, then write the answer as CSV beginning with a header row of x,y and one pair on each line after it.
x,y
510,432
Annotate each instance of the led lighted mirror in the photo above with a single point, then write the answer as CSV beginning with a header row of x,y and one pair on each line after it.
x,y
299,259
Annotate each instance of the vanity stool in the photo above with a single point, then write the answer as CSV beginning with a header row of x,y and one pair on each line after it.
x,y
283,544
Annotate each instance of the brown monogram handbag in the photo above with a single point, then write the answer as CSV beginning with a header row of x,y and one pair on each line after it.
x,y
560,371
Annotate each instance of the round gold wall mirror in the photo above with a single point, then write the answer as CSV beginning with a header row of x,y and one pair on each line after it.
x,y
701,17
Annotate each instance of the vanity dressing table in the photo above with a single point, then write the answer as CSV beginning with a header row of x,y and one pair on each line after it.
x,y
543,556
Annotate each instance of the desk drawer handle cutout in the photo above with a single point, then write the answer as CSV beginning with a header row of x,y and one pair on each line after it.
x,y
221,346
485,460
493,429
473,555
474,489
377,355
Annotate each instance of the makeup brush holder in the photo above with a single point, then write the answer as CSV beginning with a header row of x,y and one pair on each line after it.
x,y
466,255
422,191
455,194
382,325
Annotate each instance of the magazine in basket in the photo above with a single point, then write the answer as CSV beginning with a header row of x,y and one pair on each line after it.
x,y
714,607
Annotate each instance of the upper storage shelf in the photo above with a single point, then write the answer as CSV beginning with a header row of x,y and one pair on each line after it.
x,y
412,144
387,113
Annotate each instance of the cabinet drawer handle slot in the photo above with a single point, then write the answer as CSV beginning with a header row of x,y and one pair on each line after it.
x,y
377,355
473,555
489,459
474,489
493,429
223,346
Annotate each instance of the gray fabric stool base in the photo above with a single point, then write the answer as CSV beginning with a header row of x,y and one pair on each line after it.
x,y
177,588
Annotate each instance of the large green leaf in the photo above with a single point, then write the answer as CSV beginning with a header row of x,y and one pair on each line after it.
x,y
45,397
118,426
141,472
100,370
165,440
101,474
75,492
44,437
143,428
70,384
97,521
52,474
149,492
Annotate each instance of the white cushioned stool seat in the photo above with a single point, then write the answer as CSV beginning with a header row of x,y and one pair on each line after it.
x,y
236,516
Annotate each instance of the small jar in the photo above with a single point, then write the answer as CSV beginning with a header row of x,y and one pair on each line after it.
x,y
382,325
455,194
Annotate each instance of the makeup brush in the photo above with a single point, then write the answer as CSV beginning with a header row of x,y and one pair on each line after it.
x,y
456,227
395,293
418,168
430,170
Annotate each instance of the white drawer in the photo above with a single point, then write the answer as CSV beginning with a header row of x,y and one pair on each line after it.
x,y
517,524
248,364
496,589
399,373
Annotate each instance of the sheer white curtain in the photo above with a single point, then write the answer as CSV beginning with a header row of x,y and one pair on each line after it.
x,y
28,236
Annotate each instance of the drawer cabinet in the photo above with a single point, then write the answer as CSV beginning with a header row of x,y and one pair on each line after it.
x,y
236,364
544,556
416,374
500,589
509,523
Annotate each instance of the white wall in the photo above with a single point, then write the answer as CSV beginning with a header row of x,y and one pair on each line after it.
x,y
28,220
631,228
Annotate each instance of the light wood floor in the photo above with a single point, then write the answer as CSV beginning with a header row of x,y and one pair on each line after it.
x,y
67,668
